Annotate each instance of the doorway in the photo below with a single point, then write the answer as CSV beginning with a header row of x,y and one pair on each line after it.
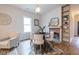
x,y
78,28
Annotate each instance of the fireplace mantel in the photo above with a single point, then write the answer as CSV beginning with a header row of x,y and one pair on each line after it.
x,y
51,27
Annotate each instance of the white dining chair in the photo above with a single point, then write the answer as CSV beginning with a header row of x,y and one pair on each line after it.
x,y
38,40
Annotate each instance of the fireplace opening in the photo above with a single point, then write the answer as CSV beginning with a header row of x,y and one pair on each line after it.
x,y
56,36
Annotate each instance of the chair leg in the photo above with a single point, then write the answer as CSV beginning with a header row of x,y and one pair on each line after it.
x,y
35,49
40,48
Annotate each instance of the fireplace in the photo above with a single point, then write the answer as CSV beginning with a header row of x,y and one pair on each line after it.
x,y
55,34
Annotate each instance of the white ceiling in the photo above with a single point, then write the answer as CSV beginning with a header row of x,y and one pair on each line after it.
x,y
31,7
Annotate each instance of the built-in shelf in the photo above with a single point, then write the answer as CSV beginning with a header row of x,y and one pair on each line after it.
x,y
66,23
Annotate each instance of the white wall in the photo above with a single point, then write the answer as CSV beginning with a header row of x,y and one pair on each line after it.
x,y
74,11
45,18
17,18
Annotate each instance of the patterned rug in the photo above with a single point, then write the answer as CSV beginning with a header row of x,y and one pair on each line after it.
x,y
55,51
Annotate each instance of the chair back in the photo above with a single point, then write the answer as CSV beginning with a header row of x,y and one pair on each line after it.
x,y
38,39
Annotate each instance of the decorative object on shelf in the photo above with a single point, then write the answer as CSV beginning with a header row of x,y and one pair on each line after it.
x,y
65,27
54,21
36,22
65,18
5,19
65,22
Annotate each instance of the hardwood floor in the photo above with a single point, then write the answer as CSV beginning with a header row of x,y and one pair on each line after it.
x,y
69,48
65,46
75,46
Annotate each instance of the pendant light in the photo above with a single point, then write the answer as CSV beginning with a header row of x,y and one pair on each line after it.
x,y
37,10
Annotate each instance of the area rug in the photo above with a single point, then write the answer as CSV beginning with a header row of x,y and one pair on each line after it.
x,y
56,51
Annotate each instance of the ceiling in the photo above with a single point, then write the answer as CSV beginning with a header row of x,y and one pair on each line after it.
x,y
31,7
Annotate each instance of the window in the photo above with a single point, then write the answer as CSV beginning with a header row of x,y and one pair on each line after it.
x,y
27,24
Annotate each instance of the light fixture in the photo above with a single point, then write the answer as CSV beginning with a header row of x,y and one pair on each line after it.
x,y
37,10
